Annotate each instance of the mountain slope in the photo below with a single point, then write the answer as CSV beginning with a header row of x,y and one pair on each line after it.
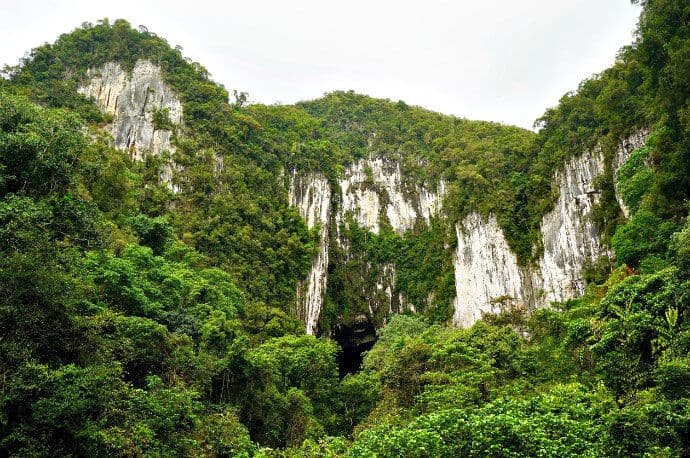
x,y
163,250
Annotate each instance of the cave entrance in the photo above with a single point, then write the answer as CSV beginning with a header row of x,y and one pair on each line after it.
x,y
354,340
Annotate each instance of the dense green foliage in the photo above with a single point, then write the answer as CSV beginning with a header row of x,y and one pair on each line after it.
x,y
137,321
605,376
243,224
487,165
114,348
422,266
634,178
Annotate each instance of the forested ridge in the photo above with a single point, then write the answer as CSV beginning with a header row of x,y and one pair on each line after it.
x,y
139,318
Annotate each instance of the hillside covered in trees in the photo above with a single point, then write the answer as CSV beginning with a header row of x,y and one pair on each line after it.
x,y
149,303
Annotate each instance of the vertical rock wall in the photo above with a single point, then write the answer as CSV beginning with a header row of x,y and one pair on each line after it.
x,y
485,269
132,98
569,236
311,194
373,191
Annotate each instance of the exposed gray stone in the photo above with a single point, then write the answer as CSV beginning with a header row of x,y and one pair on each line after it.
x,y
132,98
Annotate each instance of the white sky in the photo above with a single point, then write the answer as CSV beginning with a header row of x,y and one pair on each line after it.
x,y
499,60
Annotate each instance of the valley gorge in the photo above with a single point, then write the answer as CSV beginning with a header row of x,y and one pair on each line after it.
x,y
485,267
184,272
373,191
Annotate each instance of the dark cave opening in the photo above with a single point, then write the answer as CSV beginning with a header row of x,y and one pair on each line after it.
x,y
354,341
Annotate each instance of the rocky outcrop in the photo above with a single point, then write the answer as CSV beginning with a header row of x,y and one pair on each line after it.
x,y
373,191
569,236
132,98
486,270
311,194
487,275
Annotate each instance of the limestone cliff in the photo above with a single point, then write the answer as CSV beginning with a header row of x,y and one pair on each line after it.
x,y
311,194
486,270
372,191
487,273
132,98
569,236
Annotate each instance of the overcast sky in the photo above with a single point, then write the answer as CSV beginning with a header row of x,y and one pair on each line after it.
x,y
499,60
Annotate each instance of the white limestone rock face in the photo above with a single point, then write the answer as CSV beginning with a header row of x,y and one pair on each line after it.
x,y
430,203
374,188
311,194
487,274
625,148
569,236
132,99
485,269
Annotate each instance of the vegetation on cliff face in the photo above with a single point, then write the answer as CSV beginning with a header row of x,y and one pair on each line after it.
x,y
135,321
243,225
